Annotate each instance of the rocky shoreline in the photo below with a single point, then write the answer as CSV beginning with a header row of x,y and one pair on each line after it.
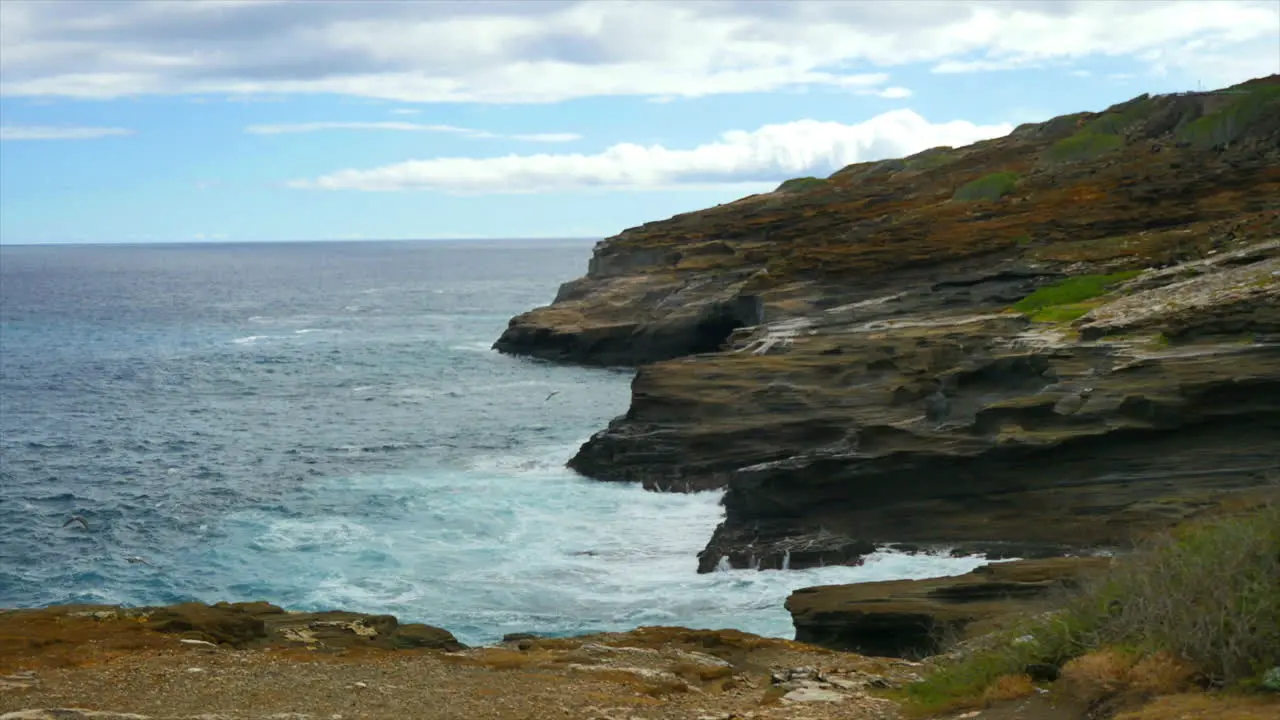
x,y
1048,343
1035,347
243,661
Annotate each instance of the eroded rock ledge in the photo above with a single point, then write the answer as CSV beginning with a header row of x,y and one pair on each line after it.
x,y
911,618
1049,341
239,625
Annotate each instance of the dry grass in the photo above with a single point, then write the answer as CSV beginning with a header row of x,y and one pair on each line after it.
x,y
502,659
1008,687
1205,706
634,700
1096,676
55,639
701,673
1162,674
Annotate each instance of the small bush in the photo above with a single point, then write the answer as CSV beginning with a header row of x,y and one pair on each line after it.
x,y
1201,603
1162,674
1095,676
1008,687
1209,593
1070,291
989,187
801,184
1084,146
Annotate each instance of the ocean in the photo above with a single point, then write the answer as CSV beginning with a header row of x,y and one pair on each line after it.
x,y
324,426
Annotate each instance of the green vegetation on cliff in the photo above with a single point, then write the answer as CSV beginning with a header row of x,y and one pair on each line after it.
x,y
1103,134
1119,119
1228,124
1065,300
931,158
1084,146
988,187
1201,601
801,184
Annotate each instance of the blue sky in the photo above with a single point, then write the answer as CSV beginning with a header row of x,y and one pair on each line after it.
x,y
268,120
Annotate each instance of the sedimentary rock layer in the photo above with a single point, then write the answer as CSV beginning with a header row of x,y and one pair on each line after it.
x,y
910,618
1052,340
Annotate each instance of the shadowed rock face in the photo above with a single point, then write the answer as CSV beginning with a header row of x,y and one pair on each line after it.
x,y
882,388
908,618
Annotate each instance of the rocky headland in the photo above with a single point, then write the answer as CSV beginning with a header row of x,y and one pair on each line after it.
x,y
1038,345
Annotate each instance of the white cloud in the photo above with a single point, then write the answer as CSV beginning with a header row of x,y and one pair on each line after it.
x,y
895,93
58,132
768,154
407,127
405,111
522,52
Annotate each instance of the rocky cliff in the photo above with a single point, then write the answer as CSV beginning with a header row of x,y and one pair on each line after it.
x,y
1050,340
913,618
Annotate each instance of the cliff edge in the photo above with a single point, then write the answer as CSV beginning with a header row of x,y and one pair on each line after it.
x,y
1048,341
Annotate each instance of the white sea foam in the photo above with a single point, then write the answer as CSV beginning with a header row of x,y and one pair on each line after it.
x,y
481,346
517,543
250,339
328,534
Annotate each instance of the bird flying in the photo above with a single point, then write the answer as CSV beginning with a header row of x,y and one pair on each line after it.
x,y
76,519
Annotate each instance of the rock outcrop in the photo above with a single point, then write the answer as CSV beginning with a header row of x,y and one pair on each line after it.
x,y
107,628
1048,341
112,664
912,618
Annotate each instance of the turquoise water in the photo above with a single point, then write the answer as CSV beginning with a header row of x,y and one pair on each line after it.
x,y
323,425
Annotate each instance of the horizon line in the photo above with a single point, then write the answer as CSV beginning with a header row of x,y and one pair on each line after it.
x,y
110,243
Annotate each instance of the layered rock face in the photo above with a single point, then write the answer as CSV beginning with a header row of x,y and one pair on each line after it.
x,y
910,618
1052,340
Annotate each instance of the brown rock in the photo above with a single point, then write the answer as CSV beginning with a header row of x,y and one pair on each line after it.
x,y
224,623
910,618
417,635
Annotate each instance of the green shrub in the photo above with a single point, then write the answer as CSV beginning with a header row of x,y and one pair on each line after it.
x,y
1207,594
1071,291
1084,146
1230,123
989,187
801,184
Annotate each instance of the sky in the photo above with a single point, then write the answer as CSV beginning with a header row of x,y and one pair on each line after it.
x,y
279,120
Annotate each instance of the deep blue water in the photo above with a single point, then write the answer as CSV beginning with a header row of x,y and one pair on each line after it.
x,y
323,425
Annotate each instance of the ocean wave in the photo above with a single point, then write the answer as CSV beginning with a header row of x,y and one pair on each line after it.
x,y
250,339
480,346
311,535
